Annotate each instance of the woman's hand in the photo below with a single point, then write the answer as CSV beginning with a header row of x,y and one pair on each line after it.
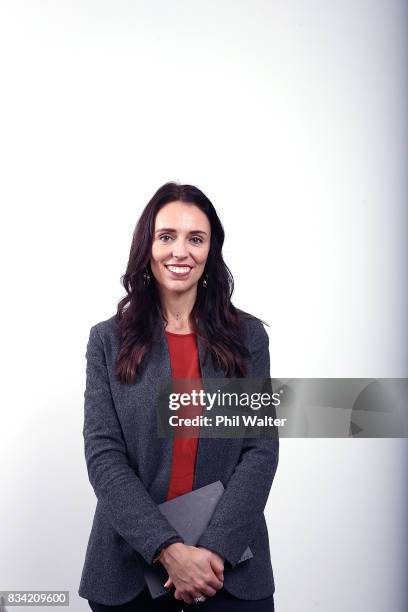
x,y
194,571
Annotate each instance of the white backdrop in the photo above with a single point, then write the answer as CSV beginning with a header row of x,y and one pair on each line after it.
x,y
291,116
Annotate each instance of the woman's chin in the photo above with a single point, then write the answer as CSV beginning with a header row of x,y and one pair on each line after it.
x,y
178,286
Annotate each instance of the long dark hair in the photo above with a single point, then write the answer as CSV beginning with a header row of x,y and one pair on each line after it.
x,y
215,318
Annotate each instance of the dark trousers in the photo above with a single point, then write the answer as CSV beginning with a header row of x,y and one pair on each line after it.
x,y
222,601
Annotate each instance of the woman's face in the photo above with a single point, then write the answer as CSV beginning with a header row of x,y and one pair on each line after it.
x,y
181,243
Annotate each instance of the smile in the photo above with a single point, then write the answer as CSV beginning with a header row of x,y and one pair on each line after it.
x,y
179,270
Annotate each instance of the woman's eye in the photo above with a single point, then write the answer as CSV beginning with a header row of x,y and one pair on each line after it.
x,y
167,237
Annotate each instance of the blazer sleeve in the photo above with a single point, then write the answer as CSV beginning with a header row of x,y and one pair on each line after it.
x,y
129,507
237,514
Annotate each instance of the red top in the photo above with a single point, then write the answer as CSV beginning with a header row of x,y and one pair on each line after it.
x,y
184,364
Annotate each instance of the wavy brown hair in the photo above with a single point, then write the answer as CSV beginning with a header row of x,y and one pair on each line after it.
x,y
214,317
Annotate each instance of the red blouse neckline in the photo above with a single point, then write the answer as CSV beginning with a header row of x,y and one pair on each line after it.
x,y
174,334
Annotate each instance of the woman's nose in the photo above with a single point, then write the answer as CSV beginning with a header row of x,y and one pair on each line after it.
x,y
179,249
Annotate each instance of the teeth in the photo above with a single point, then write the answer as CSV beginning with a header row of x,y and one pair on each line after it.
x,y
178,270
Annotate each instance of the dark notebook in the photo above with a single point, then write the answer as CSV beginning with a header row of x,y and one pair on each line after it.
x,y
189,514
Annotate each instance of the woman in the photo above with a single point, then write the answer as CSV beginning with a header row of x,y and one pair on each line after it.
x,y
176,321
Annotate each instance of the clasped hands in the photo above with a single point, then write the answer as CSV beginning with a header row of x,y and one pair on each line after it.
x,y
193,571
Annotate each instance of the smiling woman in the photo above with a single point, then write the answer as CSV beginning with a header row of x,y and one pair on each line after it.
x,y
181,245
176,315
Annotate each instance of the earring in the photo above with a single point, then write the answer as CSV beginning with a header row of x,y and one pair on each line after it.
x,y
146,277
205,281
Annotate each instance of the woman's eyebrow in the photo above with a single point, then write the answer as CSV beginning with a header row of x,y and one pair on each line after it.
x,y
170,229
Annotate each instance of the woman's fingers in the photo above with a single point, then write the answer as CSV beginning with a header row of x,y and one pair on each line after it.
x,y
168,584
217,563
211,580
207,590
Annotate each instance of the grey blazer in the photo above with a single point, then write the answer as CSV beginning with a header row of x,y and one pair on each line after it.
x,y
129,470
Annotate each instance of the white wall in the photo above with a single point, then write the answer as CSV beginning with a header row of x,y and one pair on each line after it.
x,y
290,115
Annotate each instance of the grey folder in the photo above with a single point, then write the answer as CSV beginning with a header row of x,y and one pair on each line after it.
x,y
189,514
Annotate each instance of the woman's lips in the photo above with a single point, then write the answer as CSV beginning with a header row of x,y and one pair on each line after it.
x,y
179,271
